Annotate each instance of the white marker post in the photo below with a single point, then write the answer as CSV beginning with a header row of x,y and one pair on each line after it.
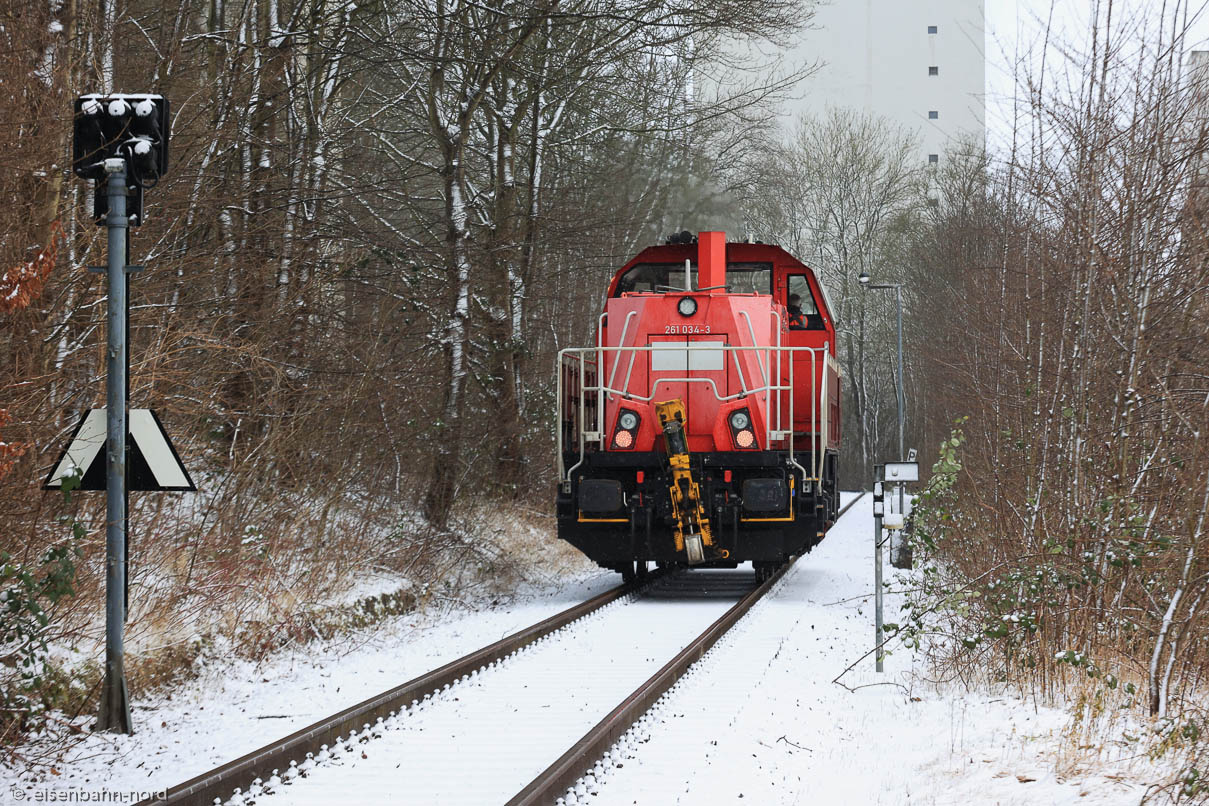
x,y
879,499
897,472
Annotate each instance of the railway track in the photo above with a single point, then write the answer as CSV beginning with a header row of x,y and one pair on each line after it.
x,y
461,720
581,759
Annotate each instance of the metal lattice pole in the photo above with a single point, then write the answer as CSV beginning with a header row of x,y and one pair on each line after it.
x,y
114,714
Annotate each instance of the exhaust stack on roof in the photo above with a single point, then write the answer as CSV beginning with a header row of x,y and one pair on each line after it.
x,y
711,260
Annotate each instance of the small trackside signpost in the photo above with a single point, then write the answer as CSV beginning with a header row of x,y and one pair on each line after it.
x,y
120,142
895,472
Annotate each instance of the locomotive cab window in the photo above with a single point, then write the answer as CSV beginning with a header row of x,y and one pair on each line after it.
x,y
749,278
741,278
651,277
801,310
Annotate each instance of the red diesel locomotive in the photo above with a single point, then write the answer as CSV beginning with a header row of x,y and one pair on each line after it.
x,y
703,427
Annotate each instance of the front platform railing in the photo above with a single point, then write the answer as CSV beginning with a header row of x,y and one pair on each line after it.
x,y
583,391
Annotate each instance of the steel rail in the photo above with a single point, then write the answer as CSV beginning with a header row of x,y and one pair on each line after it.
x,y
581,758
242,772
220,783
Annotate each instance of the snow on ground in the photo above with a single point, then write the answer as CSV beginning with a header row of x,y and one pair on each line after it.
x,y
235,707
759,720
482,741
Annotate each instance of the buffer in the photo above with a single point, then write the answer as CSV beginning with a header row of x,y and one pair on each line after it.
x,y
152,464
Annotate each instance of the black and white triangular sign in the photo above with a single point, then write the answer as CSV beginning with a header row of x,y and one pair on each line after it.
x,y
152,464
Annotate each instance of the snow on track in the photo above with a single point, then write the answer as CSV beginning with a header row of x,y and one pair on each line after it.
x,y
482,741
237,706
759,721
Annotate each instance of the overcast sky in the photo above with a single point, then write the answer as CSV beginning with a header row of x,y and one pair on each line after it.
x,y
1014,28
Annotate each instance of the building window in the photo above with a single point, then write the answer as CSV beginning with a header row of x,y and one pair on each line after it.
x,y
931,29
933,159
933,70
933,114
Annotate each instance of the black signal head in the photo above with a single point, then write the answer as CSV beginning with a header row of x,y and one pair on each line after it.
x,y
134,127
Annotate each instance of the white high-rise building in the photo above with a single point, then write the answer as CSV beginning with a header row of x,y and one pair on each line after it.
x,y
920,63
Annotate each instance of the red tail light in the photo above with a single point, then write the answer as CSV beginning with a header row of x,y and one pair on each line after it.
x,y
742,429
626,431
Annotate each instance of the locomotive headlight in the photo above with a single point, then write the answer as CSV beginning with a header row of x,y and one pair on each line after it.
x,y
741,429
626,430
687,306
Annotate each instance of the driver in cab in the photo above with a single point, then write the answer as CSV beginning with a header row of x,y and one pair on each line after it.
x,y
797,319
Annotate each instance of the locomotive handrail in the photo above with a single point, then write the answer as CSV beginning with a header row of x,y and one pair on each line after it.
x,y
829,363
710,381
818,440
600,331
759,359
630,369
625,328
738,372
776,328
770,391
583,388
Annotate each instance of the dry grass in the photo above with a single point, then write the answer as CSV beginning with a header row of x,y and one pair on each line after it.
x,y
490,553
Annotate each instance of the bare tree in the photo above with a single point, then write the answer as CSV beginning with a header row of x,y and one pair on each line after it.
x,y
1072,280
837,195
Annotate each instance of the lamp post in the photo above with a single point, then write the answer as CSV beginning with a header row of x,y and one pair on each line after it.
x,y
898,294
